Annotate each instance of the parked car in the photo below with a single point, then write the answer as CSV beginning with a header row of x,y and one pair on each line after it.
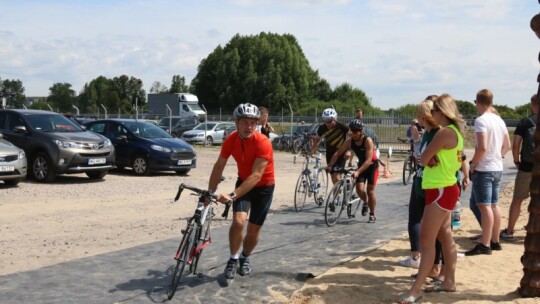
x,y
177,125
12,162
214,133
145,147
55,144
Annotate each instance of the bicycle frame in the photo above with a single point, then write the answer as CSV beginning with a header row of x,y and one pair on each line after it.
x,y
309,184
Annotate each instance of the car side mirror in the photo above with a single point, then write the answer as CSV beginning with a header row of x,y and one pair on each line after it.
x,y
19,129
83,127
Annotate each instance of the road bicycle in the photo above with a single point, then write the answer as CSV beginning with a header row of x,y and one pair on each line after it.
x,y
311,183
409,163
302,144
341,196
196,235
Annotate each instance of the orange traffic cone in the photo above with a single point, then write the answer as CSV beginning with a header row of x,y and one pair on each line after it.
x,y
387,172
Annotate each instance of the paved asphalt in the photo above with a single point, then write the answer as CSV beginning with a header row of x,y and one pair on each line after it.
x,y
293,247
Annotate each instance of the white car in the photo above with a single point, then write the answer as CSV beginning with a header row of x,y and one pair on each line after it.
x,y
12,162
212,135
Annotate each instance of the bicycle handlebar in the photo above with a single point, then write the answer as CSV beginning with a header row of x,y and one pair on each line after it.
x,y
203,194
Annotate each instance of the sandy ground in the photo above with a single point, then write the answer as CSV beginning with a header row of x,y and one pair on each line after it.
x,y
377,277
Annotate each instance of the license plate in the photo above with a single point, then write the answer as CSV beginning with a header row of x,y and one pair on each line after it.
x,y
7,168
184,162
96,161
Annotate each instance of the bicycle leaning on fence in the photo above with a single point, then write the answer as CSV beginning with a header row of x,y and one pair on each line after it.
x,y
409,163
342,196
302,143
196,235
311,183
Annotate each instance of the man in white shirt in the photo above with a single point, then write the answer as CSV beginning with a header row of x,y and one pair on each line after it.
x,y
492,143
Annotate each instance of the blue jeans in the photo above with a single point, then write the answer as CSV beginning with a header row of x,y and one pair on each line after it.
x,y
485,190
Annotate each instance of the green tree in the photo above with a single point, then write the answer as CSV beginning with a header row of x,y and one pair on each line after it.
x,y
13,91
178,85
131,92
62,97
157,88
466,109
265,69
101,92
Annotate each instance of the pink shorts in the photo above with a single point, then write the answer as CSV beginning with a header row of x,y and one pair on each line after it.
x,y
445,198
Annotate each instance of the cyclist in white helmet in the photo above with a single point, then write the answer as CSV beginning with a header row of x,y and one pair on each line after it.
x,y
252,195
335,133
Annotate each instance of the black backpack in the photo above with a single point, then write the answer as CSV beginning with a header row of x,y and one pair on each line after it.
x,y
527,146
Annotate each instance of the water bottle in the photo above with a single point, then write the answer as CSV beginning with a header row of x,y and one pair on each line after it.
x,y
456,216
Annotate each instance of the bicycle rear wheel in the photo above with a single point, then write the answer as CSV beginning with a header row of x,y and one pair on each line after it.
x,y
353,206
412,168
300,194
322,187
406,169
182,255
205,232
334,204
297,146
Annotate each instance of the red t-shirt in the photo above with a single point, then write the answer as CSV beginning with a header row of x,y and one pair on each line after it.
x,y
246,151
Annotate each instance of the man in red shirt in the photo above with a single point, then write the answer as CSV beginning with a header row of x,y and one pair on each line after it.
x,y
254,158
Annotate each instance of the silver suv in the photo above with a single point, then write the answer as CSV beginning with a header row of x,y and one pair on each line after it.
x,y
56,145
12,163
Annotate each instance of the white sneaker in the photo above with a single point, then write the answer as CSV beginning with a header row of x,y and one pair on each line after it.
x,y
410,262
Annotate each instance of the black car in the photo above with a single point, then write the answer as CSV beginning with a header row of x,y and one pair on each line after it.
x,y
54,144
145,147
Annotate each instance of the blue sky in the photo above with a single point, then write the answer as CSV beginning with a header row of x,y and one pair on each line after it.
x,y
397,51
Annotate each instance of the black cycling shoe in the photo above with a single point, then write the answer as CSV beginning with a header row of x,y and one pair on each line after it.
x,y
245,267
230,269
364,209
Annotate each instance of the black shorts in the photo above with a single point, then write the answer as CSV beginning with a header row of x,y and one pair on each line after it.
x,y
258,200
371,175
340,163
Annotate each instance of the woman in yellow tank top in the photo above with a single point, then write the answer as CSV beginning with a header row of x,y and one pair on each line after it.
x,y
442,158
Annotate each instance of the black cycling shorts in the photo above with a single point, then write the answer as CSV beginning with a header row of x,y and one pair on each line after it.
x,y
258,200
340,163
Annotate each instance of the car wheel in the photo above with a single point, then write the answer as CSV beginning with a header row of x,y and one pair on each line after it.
x,y
42,169
183,172
12,182
140,165
96,174
209,141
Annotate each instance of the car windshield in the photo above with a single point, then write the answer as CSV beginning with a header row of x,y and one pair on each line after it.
x,y
164,122
52,123
209,126
146,130
194,106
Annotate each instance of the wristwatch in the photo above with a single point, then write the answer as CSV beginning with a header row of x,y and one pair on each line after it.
x,y
232,195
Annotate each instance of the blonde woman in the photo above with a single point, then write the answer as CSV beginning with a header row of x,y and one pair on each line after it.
x,y
417,198
442,159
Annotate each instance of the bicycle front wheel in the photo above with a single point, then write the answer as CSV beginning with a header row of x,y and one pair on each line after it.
x,y
300,194
182,255
321,187
334,204
203,238
412,168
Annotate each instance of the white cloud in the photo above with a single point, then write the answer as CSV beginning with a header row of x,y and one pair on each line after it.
x,y
397,51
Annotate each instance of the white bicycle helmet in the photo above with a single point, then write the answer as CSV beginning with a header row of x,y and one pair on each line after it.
x,y
329,114
246,110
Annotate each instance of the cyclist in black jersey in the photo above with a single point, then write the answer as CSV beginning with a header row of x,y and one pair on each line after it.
x,y
368,166
335,134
